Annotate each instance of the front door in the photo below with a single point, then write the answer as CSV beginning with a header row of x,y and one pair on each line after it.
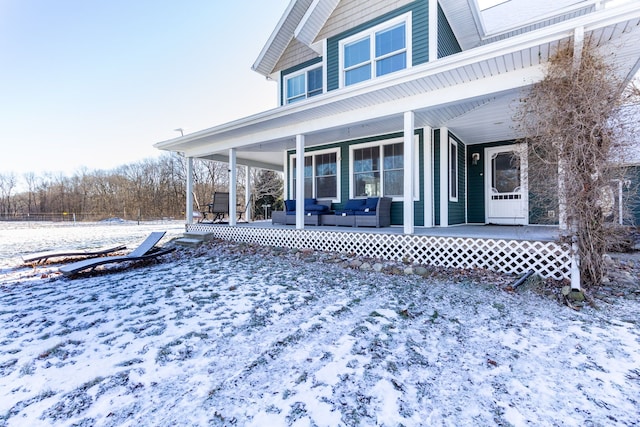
x,y
507,197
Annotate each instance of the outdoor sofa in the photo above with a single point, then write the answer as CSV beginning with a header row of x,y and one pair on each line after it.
x,y
369,212
314,211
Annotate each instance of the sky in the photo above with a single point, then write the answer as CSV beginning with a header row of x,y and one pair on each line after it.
x,y
94,84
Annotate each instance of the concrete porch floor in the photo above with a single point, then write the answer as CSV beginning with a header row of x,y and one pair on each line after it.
x,y
507,232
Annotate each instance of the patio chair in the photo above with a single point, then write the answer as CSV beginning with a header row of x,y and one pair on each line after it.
x,y
219,206
43,257
142,252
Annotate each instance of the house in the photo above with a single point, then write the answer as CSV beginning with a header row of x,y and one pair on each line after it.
x,y
411,99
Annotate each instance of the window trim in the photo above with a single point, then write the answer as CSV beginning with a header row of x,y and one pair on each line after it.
x,y
454,174
298,73
381,143
313,155
370,33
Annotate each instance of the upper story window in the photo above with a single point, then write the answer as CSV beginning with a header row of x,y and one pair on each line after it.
x,y
378,51
303,85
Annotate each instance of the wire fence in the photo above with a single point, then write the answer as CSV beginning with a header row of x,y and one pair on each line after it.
x,y
78,217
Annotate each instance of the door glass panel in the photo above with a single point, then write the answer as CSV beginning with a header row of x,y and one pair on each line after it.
x,y
506,172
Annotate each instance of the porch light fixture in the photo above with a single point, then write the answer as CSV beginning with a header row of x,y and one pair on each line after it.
x,y
475,157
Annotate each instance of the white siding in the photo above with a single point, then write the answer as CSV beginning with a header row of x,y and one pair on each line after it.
x,y
296,53
351,13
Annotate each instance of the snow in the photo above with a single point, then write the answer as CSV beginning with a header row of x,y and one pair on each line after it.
x,y
210,336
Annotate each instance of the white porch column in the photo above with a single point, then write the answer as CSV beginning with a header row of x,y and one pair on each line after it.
x,y
247,194
189,201
300,182
409,172
444,177
233,178
428,176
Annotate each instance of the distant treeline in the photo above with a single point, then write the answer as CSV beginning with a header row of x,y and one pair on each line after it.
x,y
147,190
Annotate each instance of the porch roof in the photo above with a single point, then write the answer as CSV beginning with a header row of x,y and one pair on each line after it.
x,y
473,93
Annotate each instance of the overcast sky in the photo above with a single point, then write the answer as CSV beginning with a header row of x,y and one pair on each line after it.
x,y
96,83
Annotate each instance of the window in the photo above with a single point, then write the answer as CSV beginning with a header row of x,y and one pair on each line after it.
x,y
303,85
378,170
505,172
376,52
453,170
308,177
320,175
326,176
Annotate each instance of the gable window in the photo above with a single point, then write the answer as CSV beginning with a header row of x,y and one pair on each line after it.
x,y
303,85
453,170
378,51
320,175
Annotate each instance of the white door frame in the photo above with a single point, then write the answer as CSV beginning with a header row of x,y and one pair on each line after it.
x,y
515,210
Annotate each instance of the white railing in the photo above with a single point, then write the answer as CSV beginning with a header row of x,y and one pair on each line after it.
x,y
547,259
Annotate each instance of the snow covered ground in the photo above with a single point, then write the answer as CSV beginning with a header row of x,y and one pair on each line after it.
x,y
218,336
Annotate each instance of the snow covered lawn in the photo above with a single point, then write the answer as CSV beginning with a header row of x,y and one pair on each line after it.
x,y
221,337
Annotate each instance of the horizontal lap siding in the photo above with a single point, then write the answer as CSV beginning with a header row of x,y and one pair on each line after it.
x,y
457,209
447,42
632,195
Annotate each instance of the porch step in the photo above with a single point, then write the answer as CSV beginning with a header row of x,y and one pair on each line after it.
x,y
203,236
192,243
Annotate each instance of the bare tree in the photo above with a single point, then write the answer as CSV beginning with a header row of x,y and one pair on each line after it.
x,y
267,190
576,143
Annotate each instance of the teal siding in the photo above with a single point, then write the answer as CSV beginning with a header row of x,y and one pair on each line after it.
x,y
631,195
447,42
475,185
420,38
397,208
419,205
457,209
292,70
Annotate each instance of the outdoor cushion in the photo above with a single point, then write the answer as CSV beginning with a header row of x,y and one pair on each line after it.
x,y
354,205
316,208
290,205
363,213
371,203
308,202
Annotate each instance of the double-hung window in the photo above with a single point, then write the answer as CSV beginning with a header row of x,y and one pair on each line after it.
x,y
303,85
320,175
378,51
378,170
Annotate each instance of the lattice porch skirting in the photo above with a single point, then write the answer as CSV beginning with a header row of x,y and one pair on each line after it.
x,y
547,259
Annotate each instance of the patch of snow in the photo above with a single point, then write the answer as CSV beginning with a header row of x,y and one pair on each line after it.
x,y
211,337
